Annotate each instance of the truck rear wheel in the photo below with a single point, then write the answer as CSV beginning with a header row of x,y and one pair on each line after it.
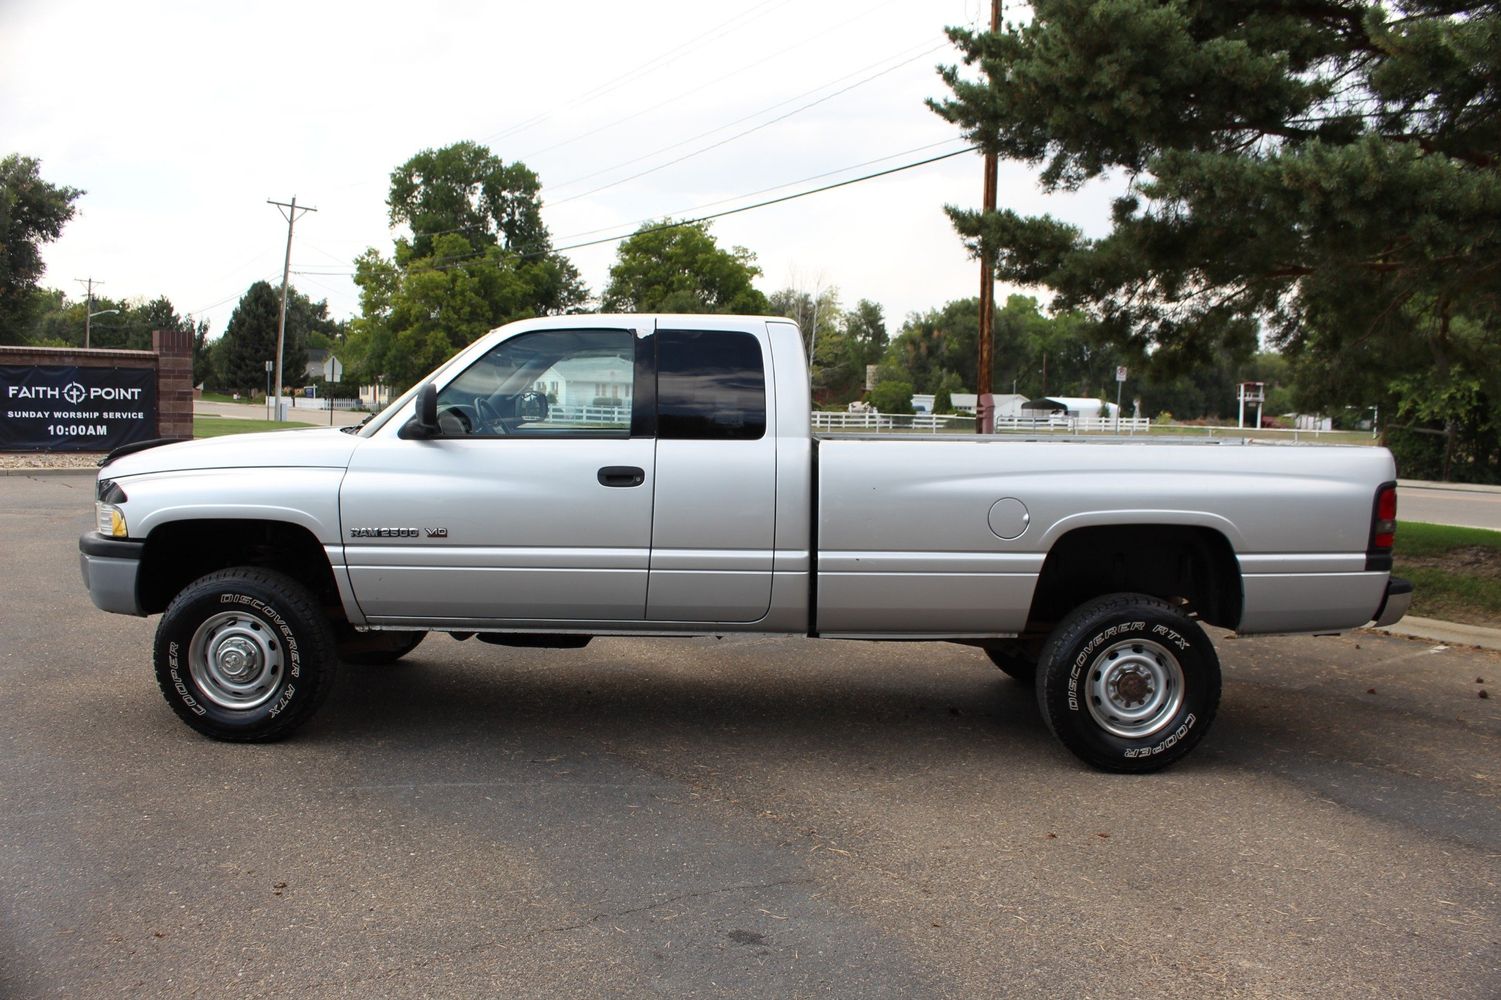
x,y
1128,683
244,654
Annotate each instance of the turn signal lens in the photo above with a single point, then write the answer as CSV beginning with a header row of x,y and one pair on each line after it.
x,y
112,521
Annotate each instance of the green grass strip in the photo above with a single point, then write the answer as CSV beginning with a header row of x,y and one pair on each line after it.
x,y
1455,572
206,427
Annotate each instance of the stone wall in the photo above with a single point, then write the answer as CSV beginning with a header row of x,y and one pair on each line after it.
x,y
174,383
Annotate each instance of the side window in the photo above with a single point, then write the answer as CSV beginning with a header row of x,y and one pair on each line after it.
x,y
710,386
553,383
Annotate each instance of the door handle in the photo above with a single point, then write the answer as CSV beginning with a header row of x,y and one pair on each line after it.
x,y
621,475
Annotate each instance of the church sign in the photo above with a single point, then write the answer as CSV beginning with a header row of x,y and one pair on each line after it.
x,y
69,408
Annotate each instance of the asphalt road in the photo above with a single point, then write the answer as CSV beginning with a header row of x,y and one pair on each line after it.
x,y
1450,505
763,818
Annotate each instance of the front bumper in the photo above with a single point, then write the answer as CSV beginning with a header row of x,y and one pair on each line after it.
x,y
110,567
1396,602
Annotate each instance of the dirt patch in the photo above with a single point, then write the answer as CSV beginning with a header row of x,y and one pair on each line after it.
x,y
45,460
1468,560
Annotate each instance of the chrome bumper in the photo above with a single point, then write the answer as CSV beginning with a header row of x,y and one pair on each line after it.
x,y
1398,599
110,567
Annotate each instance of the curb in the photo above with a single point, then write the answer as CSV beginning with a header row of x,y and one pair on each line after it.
x,y
71,470
1448,633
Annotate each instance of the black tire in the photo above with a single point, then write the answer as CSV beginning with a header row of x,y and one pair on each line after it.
x,y
1128,683
245,655
1013,661
374,649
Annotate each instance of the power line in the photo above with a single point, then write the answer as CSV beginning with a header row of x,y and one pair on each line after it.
x,y
770,201
703,87
738,135
720,128
227,298
650,66
718,215
747,117
785,184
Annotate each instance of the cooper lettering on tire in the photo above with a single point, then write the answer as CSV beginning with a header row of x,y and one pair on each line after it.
x,y
244,654
1128,683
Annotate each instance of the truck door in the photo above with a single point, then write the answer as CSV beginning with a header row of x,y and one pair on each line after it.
x,y
533,504
713,528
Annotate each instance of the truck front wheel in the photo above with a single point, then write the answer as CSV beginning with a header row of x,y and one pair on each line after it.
x,y
244,654
1128,683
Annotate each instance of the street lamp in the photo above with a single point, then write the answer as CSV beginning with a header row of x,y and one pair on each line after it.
x,y
270,366
88,316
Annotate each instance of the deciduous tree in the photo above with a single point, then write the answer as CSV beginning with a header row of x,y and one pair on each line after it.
x,y
32,212
682,268
475,256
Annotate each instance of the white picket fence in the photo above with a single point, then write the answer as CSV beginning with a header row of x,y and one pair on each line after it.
x,y
928,423
582,415
917,423
1076,425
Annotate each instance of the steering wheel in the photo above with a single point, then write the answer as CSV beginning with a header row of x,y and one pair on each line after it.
x,y
489,416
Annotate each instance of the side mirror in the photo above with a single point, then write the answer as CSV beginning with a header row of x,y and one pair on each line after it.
x,y
424,423
532,407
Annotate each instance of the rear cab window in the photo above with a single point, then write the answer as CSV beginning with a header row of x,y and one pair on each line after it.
x,y
710,386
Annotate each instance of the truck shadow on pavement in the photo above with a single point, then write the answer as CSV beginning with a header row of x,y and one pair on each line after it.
x,y
690,692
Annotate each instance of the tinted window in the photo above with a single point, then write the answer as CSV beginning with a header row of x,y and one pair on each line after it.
x,y
555,383
710,386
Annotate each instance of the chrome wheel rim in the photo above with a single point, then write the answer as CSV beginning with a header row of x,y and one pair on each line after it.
x,y
1135,688
236,661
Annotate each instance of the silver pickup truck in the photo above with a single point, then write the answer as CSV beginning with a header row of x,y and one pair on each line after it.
x,y
576,476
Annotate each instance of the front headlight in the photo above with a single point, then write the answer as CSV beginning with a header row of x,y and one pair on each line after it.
x,y
111,521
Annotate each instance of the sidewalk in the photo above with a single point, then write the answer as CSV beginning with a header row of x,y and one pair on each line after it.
x,y
251,411
1448,633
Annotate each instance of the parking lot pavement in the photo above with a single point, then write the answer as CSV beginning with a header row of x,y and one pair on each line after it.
x,y
747,817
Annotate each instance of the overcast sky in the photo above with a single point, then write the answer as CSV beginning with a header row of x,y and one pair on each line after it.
x,y
180,119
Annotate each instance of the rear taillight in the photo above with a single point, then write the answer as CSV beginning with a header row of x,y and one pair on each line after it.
x,y
1384,520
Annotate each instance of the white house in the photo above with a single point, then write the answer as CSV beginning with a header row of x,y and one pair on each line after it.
x,y
323,364
582,381
1009,404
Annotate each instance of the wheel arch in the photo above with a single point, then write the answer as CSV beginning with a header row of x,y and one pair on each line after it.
x,y
179,552
1190,565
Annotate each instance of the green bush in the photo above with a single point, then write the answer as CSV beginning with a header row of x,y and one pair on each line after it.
x,y
892,397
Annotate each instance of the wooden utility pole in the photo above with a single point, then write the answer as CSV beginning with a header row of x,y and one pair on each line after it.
x,y
88,308
289,212
984,400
